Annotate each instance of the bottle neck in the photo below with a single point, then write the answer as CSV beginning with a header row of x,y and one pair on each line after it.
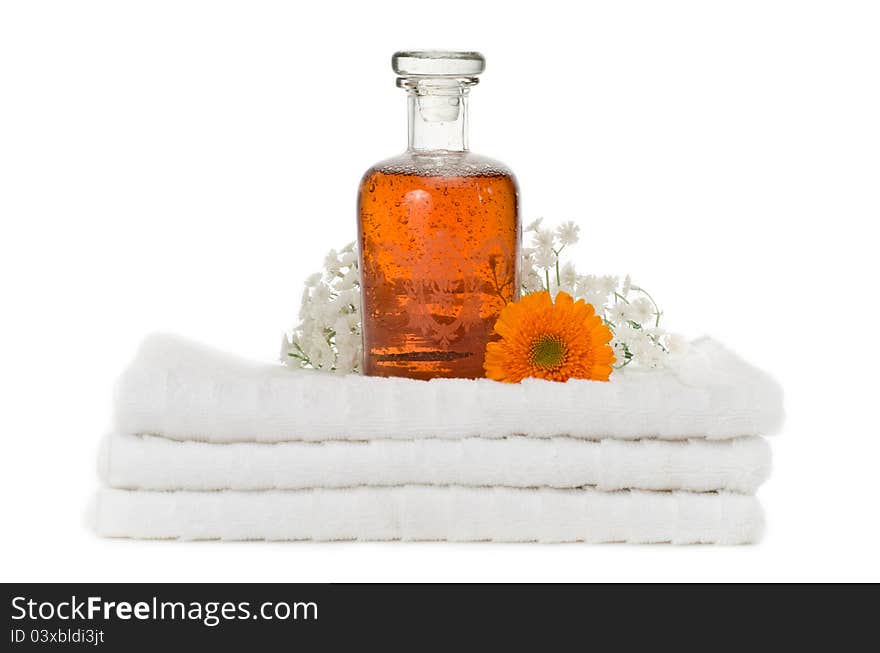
x,y
437,117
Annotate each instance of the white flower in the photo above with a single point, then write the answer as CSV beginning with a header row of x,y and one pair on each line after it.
x,y
305,299
349,248
589,283
320,294
341,328
346,360
314,279
350,297
568,233
647,354
637,341
641,310
544,239
534,225
593,283
354,321
619,351
568,277
339,305
319,352
627,285
348,259
643,349
284,354
317,306
533,282
627,335
348,344
545,258
598,300
618,313
349,280
581,287
607,284
331,263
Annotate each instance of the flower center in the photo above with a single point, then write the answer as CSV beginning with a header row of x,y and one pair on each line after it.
x,y
548,351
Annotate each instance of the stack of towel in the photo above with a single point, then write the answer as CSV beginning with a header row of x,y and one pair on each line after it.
x,y
208,446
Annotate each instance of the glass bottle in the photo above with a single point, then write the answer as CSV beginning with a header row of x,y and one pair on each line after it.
x,y
439,233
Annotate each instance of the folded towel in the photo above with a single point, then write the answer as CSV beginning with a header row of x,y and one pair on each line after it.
x,y
157,463
431,513
185,391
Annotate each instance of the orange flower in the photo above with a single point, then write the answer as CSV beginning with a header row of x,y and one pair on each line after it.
x,y
549,340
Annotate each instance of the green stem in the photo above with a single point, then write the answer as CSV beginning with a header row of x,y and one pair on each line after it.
x,y
558,252
659,344
302,355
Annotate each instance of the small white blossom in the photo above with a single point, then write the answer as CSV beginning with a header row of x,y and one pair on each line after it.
x,y
331,263
619,351
346,360
618,313
588,283
582,287
638,342
319,352
346,341
641,310
533,282
627,285
568,233
347,259
598,300
320,294
545,258
284,354
625,334
647,353
544,239
354,321
349,280
607,284
305,298
568,276
534,225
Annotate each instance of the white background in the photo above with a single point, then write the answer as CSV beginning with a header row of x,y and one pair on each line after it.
x,y
183,166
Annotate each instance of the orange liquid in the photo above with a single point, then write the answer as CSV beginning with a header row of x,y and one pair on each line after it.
x,y
439,261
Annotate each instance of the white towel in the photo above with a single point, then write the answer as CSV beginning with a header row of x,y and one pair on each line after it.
x,y
157,463
431,513
186,391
